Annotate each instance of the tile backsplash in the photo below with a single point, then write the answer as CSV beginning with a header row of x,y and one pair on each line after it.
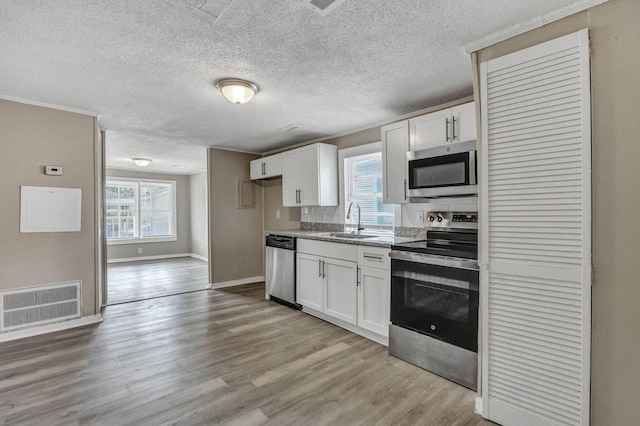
x,y
408,216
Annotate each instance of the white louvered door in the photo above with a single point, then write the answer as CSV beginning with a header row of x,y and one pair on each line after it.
x,y
536,234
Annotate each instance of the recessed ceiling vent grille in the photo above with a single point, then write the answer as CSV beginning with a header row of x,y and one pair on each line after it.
x,y
323,7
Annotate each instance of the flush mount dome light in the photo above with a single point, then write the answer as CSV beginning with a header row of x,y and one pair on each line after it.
x,y
142,162
236,90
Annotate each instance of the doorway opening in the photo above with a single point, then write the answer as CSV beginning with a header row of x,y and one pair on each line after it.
x,y
155,231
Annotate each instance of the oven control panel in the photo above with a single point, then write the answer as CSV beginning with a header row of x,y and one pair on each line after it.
x,y
466,218
452,220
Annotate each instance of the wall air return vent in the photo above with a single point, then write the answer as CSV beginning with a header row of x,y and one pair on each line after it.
x,y
29,307
323,7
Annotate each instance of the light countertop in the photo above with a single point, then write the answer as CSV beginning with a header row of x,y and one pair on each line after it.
x,y
373,241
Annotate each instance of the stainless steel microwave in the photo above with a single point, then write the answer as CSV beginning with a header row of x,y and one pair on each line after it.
x,y
443,171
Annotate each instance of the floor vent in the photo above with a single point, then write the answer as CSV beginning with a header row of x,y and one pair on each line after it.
x,y
30,307
323,6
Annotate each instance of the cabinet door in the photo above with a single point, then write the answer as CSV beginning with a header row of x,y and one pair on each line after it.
x,y
464,119
430,130
256,169
272,165
395,145
291,179
374,292
340,290
309,187
309,281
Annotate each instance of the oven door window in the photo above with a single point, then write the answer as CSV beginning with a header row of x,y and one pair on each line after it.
x,y
439,301
446,170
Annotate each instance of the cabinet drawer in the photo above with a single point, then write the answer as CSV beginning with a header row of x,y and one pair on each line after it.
x,y
375,257
347,252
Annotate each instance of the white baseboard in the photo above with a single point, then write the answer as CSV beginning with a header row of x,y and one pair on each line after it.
x,y
50,328
233,283
156,257
197,256
478,407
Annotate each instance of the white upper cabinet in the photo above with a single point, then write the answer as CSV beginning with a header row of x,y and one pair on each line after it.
x,y
430,130
395,145
266,167
310,176
463,118
451,125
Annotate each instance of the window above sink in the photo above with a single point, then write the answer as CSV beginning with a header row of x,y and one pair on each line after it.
x,y
361,184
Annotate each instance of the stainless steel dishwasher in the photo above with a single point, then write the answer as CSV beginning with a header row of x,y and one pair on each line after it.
x,y
281,269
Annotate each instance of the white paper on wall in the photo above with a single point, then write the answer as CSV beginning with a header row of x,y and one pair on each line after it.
x,y
48,209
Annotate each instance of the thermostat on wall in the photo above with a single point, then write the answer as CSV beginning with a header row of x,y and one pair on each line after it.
x,y
53,170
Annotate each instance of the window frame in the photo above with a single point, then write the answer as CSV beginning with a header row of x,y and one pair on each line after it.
x,y
370,148
140,239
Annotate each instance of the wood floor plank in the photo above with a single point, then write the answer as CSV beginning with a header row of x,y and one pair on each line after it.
x,y
218,357
140,280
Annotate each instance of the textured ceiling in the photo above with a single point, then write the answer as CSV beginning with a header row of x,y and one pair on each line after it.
x,y
148,66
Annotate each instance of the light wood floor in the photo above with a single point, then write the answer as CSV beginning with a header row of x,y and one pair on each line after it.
x,y
218,357
131,281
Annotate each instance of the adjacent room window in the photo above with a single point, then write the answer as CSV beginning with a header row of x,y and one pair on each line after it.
x,y
363,184
140,210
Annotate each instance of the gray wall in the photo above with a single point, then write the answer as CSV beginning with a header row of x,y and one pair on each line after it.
x,y
615,99
183,219
235,234
199,225
32,137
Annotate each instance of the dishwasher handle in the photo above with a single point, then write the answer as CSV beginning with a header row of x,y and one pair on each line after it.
x,y
287,243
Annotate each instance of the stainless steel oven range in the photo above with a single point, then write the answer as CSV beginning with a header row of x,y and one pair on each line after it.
x,y
434,300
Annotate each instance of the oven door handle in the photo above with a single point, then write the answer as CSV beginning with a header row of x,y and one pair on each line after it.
x,y
469,264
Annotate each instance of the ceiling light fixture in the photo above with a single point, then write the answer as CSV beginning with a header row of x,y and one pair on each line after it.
x,y
236,90
142,162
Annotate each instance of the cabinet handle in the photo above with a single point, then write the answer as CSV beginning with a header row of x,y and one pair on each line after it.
x,y
453,128
320,268
264,169
372,257
324,271
300,196
405,189
357,276
447,128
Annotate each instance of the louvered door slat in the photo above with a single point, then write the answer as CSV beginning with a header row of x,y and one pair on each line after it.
x,y
536,246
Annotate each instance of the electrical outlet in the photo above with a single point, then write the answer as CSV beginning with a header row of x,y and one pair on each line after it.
x,y
277,214
139,250
420,217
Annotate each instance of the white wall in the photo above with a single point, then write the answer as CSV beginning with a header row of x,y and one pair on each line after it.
x,y
199,221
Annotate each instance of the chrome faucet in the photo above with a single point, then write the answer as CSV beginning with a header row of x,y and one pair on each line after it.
x,y
360,227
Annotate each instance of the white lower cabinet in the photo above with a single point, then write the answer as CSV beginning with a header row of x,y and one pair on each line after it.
x,y
346,283
310,284
374,298
341,295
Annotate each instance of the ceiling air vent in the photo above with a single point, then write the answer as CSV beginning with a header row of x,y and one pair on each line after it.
x,y
323,7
